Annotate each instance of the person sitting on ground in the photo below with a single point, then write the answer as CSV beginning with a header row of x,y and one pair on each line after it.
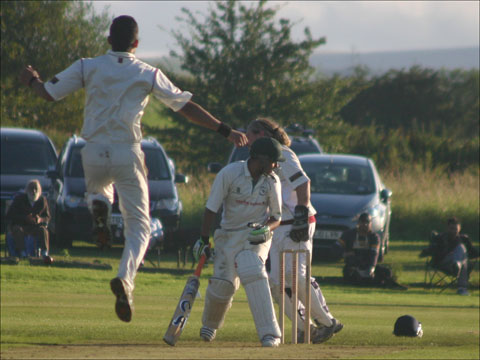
x,y
29,214
450,252
361,248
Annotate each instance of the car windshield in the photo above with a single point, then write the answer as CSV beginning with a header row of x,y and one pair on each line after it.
x,y
156,164
304,147
155,161
25,157
339,178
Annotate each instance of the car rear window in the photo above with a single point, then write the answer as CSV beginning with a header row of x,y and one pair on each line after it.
x,y
339,179
26,157
156,164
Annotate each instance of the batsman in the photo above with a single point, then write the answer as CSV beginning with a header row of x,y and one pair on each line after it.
x,y
250,193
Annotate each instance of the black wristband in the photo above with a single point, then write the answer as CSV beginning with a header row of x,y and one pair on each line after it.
x,y
30,82
224,130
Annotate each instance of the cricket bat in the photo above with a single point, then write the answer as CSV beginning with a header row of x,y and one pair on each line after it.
x,y
180,316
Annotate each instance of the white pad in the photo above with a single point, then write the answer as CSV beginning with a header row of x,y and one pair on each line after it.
x,y
252,274
319,308
218,299
275,289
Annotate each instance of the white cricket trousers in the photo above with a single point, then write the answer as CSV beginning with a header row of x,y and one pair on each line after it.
x,y
124,166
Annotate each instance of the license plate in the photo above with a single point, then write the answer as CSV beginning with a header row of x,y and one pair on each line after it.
x,y
116,220
327,234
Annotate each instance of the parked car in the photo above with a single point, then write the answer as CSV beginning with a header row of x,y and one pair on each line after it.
x,y
343,187
305,144
25,155
70,214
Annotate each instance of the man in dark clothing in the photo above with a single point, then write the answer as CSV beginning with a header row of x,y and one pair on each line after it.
x,y
450,252
29,215
361,248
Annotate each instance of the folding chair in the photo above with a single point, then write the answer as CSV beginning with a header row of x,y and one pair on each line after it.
x,y
438,276
443,278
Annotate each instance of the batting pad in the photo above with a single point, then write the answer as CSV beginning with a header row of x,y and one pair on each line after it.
x,y
218,299
275,289
253,277
318,305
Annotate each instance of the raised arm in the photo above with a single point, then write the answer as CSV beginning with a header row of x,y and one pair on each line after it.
x,y
198,115
30,77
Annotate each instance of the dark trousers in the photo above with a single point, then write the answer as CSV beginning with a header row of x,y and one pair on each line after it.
x,y
40,233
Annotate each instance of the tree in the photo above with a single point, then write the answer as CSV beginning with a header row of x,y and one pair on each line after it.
x,y
49,35
244,64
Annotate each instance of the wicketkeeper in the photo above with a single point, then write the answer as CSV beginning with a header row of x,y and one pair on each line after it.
x,y
295,232
250,193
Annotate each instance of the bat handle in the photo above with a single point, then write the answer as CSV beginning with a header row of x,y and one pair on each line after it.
x,y
201,262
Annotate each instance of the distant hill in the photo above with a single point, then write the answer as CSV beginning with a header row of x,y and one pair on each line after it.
x,y
377,62
381,62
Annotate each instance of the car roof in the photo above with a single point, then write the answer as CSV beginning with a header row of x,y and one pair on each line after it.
x,y
335,159
17,133
148,142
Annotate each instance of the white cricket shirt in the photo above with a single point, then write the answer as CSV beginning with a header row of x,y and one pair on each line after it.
x,y
243,202
117,87
291,176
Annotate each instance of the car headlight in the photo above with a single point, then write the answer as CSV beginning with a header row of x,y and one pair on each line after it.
x,y
168,204
74,201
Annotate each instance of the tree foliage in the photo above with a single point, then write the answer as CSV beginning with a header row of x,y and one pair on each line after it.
x,y
49,35
440,103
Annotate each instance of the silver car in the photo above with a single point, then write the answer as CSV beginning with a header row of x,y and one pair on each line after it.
x,y
343,187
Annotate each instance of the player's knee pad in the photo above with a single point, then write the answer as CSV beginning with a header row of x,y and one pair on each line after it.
x,y
249,267
218,299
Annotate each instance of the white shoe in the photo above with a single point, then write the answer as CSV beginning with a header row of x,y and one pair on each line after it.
x,y
270,341
207,334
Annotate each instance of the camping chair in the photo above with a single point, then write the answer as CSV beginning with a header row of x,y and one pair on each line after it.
x,y
437,276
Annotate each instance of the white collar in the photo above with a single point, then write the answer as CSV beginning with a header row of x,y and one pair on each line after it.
x,y
123,54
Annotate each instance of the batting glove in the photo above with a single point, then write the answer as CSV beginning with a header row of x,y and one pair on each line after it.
x,y
202,246
259,235
299,231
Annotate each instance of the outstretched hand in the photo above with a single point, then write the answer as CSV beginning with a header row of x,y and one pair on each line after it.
x,y
238,138
27,74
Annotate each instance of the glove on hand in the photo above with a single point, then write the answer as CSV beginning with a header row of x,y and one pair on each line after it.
x,y
202,246
299,231
259,235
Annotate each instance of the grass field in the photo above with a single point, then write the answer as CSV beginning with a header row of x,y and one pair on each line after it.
x,y
49,312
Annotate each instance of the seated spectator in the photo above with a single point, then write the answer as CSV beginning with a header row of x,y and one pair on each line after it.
x,y
361,248
450,252
27,219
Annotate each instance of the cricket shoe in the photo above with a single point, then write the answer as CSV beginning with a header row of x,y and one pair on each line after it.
x,y
270,341
124,303
101,231
323,333
207,334
338,325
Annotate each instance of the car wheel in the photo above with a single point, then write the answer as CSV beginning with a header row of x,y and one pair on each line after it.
x,y
63,237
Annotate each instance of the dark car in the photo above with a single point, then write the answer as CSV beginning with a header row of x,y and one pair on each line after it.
x,y
343,187
300,145
70,214
25,155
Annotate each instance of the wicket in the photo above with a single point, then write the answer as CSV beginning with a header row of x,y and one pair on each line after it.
x,y
294,299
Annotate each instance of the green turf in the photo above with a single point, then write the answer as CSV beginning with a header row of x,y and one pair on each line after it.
x,y
43,305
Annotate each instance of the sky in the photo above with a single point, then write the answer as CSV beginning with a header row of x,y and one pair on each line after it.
x,y
348,26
